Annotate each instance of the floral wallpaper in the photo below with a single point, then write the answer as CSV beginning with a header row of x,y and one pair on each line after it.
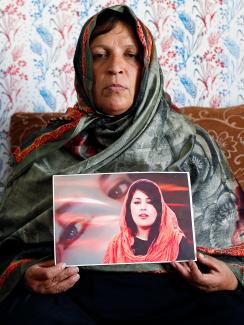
x,y
200,46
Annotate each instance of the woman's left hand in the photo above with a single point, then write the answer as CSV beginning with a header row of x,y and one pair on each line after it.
x,y
218,276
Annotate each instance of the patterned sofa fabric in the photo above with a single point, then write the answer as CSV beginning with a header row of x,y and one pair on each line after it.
x,y
24,124
226,125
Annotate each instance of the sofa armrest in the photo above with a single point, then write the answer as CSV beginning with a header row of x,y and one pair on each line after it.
x,y
22,125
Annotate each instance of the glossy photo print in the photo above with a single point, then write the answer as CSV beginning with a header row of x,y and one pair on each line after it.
x,y
121,218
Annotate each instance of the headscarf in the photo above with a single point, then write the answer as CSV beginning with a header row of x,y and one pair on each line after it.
x,y
91,130
164,248
152,138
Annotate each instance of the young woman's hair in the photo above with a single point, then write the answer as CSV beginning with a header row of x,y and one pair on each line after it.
x,y
153,192
107,20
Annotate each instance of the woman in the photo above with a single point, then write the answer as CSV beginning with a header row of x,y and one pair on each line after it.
x,y
122,122
149,228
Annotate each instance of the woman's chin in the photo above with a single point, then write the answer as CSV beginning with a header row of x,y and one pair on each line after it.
x,y
114,110
115,107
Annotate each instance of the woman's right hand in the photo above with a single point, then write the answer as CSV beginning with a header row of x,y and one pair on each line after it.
x,y
48,278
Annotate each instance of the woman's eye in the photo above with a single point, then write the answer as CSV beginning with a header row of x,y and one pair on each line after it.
x,y
133,55
137,202
119,190
72,232
99,56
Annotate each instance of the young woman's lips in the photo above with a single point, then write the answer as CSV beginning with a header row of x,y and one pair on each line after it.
x,y
143,215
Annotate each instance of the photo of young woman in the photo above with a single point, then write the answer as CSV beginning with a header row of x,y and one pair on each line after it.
x,y
149,230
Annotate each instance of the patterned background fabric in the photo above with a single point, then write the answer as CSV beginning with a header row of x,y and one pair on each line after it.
x,y
200,46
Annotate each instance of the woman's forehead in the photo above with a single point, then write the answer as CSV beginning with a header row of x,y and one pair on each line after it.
x,y
120,32
139,193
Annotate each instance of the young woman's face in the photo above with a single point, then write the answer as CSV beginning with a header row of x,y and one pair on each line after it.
x,y
116,69
143,211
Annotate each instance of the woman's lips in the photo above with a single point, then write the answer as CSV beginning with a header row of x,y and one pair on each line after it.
x,y
115,87
143,215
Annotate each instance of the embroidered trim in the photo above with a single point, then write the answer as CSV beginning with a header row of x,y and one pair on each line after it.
x,y
73,113
146,41
231,251
11,268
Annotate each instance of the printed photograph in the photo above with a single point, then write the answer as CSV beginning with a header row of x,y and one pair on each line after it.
x,y
121,218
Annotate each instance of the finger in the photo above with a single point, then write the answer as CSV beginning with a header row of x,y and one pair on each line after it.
x,y
203,281
186,266
66,273
196,275
191,273
195,272
62,286
41,273
209,261
182,269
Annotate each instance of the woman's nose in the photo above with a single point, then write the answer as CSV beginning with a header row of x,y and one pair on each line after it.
x,y
143,206
116,65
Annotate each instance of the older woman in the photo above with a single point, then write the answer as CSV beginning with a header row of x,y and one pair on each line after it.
x,y
122,122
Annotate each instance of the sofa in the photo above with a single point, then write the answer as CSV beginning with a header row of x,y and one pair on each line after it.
x,y
226,125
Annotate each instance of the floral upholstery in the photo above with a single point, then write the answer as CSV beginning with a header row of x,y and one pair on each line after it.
x,y
22,125
226,125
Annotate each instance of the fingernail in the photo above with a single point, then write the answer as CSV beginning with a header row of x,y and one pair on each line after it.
x,y
76,269
76,277
201,255
63,266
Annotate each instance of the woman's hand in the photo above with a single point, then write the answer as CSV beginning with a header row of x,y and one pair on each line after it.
x,y
218,276
47,278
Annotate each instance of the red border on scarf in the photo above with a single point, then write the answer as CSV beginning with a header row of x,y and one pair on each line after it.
x,y
11,268
72,113
230,251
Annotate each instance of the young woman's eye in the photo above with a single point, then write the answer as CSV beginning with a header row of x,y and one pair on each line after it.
x,y
118,190
72,232
137,202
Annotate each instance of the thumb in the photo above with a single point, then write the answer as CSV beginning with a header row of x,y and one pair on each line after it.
x,y
207,260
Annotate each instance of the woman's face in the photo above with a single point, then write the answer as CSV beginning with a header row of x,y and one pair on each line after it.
x,y
143,211
116,69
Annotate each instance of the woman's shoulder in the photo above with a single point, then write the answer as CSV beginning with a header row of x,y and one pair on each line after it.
x,y
178,120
